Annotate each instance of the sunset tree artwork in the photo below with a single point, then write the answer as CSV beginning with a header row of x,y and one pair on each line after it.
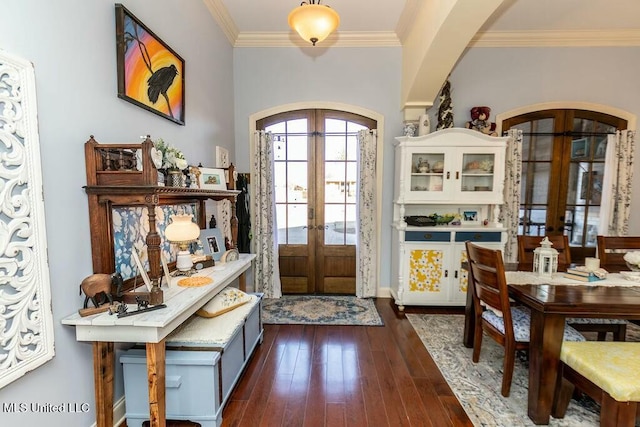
x,y
150,74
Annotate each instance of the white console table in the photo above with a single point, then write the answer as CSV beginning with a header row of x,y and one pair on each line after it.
x,y
151,328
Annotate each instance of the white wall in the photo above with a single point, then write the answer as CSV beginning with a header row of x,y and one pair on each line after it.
x,y
367,78
72,45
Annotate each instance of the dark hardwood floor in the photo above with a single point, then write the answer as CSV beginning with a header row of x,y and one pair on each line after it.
x,y
344,376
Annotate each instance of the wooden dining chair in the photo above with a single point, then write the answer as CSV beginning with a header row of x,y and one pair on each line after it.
x,y
508,326
527,244
611,250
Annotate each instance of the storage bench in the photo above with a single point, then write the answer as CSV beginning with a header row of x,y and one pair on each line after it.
x,y
205,357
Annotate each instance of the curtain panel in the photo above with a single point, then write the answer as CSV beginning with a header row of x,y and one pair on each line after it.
x,y
267,270
616,186
366,245
510,211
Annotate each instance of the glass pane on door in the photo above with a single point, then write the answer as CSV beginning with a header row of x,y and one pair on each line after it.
x,y
290,180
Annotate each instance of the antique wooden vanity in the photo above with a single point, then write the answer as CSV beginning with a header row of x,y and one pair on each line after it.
x,y
124,175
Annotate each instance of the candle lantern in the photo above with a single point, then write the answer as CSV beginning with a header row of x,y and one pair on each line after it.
x,y
545,259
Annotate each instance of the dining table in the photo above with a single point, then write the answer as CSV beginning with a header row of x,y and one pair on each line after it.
x,y
551,301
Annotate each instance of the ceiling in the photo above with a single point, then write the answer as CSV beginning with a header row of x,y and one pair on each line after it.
x,y
254,23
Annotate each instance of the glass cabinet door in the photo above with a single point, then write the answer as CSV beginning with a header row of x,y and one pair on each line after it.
x,y
477,172
428,176
427,171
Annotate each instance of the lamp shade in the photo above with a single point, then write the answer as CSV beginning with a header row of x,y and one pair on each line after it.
x,y
314,22
182,229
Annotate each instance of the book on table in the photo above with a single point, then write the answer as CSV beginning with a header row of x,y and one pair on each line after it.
x,y
579,272
588,278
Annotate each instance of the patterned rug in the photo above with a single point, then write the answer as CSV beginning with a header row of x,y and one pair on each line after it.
x,y
477,386
320,310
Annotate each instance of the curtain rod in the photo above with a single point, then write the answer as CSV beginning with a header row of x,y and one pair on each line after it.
x,y
567,133
315,133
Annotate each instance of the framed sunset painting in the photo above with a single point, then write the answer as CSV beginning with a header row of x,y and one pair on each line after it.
x,y
150,73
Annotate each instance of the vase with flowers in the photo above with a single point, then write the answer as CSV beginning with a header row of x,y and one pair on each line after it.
x,y
170,161
632,258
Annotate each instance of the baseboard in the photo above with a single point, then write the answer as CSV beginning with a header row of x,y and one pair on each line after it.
x,y
383,293
118,413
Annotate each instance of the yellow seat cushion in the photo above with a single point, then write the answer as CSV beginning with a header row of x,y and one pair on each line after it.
x,y
612,366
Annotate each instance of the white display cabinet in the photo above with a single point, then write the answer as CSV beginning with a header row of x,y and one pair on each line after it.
x,y
452,172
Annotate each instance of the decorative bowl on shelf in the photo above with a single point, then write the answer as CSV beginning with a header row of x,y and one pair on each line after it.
x,y
438,167
443,219
419,220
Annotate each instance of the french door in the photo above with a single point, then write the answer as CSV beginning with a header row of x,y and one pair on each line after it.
x,y
563,164
315,176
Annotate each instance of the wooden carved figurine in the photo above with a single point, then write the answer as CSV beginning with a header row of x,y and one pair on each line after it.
x,y
97,288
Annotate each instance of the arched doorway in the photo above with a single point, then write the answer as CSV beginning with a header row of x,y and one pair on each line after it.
x,y
315,176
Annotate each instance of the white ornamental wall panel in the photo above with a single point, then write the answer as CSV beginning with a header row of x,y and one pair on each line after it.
x,y
26,320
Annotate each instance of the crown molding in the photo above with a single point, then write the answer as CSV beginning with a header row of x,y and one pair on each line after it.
x,y
407,18
224,20
573,38
340,39
545,38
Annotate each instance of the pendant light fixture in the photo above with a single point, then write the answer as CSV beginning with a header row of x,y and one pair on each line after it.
x,y
313,21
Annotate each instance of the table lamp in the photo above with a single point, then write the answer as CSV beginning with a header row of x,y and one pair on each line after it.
x,y
182,231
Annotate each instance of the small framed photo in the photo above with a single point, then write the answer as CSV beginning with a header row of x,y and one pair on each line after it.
x,y
165,269
213,242
212,179
141,270
469,216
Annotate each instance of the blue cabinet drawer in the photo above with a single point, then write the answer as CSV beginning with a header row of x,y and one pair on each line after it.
x,y
427,236
478,236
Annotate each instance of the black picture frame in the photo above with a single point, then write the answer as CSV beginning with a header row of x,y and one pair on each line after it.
x,y
151,75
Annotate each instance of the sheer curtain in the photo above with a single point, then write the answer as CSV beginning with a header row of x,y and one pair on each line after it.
x,y
366,245
510,210
616,186
267,271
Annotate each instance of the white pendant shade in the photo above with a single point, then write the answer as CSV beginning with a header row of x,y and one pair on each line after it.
x,y
314,22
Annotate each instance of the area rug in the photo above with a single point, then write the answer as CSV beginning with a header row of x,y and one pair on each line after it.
x,y
320,310
477,386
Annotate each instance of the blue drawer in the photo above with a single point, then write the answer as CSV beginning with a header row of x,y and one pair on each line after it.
x,y
427,236
478,236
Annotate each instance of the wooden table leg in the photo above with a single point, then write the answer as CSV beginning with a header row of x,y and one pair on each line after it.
x,y
469,319
156,376
547,331
103,365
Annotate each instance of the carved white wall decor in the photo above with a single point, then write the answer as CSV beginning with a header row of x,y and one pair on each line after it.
x,y
26,320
